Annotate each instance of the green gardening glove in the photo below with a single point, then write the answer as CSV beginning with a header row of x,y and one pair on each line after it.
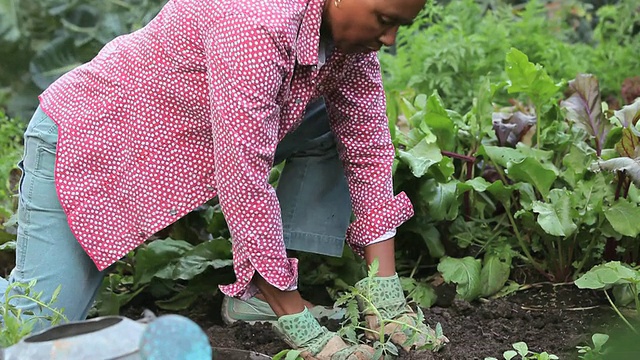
x,y
386,302
303,332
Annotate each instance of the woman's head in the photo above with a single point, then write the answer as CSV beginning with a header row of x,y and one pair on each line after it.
x,y
367,25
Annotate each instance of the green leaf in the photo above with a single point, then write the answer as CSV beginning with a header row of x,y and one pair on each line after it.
x,y
421,157
442,199
577,162
495,273
509,354
463,272
437,120
157,256
599,340
556,216
502,156
478,184
528,78
624,217
430,235
55,59
419,292
501,192
9,28
605,275
522,348
532,171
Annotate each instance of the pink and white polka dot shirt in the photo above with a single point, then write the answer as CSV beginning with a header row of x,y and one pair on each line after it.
x,y
192,106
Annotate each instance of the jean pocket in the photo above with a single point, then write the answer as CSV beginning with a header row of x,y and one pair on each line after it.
x,y
21,167
45,162
39,158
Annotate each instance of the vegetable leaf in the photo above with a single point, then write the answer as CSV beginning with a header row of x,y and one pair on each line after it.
x,y
463,272
584,108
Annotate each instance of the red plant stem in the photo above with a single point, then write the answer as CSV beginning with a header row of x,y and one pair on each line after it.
x,y
459,156
626,189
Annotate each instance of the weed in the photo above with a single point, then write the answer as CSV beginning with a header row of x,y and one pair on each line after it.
x,y
18,323
595,353
523,351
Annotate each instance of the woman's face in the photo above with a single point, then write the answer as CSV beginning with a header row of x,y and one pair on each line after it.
x,y
366,25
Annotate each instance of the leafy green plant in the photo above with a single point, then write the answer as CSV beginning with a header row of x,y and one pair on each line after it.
x,y
522,350
174,272
624,280
518,187
597,352
461,43
18,323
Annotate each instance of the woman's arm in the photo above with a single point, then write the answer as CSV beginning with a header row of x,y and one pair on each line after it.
x,y
357,110
246,70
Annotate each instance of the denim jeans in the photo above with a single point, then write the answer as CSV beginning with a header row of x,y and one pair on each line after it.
x,y
312,191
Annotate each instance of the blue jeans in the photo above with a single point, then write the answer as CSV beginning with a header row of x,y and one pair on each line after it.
x,y
312,191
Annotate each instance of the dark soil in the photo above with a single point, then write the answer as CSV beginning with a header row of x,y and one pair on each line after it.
x,y
548,318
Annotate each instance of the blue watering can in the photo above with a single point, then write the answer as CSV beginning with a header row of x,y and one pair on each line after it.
x,y
170,337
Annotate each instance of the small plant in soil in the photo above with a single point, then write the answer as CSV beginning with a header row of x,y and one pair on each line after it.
x,y
595,353
15,326
522,350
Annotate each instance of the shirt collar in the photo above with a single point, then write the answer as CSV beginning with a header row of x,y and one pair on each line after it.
x,y
308,41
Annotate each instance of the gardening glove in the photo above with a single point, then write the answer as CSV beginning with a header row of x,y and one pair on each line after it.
x,y
303,332
385,295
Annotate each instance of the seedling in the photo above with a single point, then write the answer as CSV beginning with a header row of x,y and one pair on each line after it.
x,y
595,353
522,350
18,323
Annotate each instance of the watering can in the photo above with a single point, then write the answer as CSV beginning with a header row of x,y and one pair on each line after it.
x,y
170,337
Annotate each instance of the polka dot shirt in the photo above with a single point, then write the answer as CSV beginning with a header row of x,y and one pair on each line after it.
x,y
192,106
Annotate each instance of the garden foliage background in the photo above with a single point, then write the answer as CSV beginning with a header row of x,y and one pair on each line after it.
x,y
519,164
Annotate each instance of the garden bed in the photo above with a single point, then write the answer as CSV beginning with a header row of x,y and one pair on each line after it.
x,y
548,318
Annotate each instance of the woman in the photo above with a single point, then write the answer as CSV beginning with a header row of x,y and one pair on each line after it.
x,y
193,106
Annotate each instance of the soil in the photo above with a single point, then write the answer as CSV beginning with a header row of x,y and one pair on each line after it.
x,y
551,318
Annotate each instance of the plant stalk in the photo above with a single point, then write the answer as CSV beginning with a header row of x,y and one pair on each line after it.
x,y
615,308
523,245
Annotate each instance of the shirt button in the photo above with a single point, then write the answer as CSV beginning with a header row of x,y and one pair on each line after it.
x,y
298,101
142,234
173,212
210,188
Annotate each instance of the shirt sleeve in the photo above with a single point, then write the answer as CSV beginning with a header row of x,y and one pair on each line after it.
x,y
357,112
246,70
